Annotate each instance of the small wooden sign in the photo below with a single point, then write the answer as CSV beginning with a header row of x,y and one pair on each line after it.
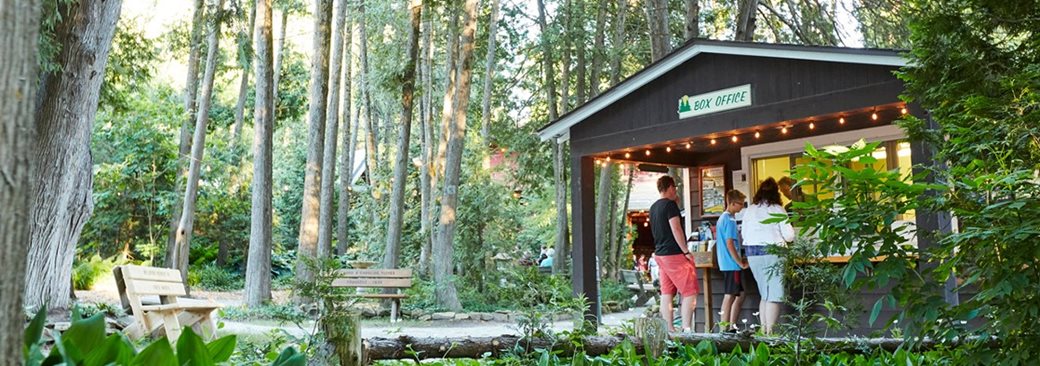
x,y
392,273
156,288
373,282
152,273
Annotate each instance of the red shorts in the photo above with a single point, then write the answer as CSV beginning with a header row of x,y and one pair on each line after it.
x,y
677,272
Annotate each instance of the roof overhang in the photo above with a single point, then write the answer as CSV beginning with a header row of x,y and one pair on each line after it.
x,y
560,129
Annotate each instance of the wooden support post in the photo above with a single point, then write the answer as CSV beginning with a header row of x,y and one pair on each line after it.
x,y
709,318
585,278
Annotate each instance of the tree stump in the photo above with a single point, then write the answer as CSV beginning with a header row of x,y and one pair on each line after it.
x,y
652,332
343,339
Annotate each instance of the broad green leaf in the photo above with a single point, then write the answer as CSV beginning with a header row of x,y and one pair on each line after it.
x,y
221,349
34,331
191,351
116,349
159,353
289,357
83,336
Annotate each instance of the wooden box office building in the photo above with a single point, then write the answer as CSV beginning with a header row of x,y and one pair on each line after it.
x,y
731,114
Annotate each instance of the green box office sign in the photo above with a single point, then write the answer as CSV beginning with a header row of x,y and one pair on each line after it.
x,y
716,101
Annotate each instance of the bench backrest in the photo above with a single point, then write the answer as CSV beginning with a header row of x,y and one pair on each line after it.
x,y
374,278
137,281
630,277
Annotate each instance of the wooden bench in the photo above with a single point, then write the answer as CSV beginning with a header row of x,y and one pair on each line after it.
x,y
395,279
644,291
152,293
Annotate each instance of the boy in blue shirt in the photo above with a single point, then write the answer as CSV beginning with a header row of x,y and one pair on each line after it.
x,y
731,263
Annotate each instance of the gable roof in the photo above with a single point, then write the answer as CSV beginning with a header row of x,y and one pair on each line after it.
x,y
560,128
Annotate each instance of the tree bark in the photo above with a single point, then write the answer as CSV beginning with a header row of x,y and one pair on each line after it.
x,y
425,181
602,205
447,296
579,69
746,12
693,13
618,43
278,54
243,87
19,32
559,261
62,178
185,226
621,228
485,116
547,64
598,49
258,266
328,166
611,244
371,141
191,89
319,88
660,35
392,253
346,169
450,98
565,57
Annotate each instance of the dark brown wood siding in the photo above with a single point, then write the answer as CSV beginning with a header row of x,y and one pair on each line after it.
x,y
782,89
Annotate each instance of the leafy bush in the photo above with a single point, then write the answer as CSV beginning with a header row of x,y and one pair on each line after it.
x,y
86,273
614,291
85,343
213,278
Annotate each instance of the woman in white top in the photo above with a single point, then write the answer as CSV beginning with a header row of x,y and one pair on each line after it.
x,y
756,237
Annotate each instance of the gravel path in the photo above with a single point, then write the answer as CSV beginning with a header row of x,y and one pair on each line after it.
x,y
443,328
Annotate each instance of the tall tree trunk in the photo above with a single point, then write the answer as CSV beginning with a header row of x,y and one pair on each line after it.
x,y
278,54
621,229
328,166
579,48
20,24
346,159
191,89
611,260
392,255
597,49
485,116
245,36
319,89
427,146
602,205
560,182
450,98
565,57
619,43
693,14
258,266
62,179
660,35
371,142
443,251
746,13
559,263
198,145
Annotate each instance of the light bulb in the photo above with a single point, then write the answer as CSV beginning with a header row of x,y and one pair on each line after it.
x,y
757,134
648,153
646,223
713,141
688,145
608,158
783,130
812,126
902,110
873,116
734,139
841,120
668,149
628,155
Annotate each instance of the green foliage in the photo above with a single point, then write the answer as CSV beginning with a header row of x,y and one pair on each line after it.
x,y
975,68
131,65
705,353
85,343
86,272
214,278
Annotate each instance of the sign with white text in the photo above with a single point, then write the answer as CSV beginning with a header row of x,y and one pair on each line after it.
x,y
716,101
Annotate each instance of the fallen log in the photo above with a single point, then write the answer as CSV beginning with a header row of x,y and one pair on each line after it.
x,y
406,347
